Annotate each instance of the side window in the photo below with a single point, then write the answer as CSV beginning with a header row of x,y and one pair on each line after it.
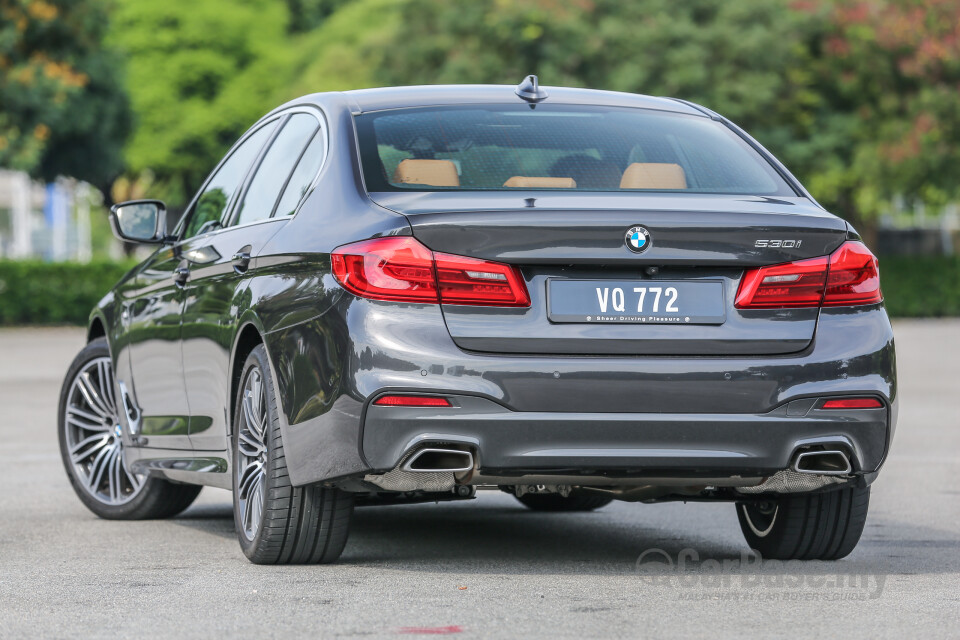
x,y
217,193
302,177
275,167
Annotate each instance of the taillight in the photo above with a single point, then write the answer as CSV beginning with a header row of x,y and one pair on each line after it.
x,y
479,282
401,269
849,276
854,277
852,403
412,401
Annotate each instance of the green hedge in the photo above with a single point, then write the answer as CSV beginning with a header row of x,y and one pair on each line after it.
x,y
921,286
33,292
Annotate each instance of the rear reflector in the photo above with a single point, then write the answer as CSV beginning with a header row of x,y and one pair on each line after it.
x,y
402,269
847,277
852,403
412,401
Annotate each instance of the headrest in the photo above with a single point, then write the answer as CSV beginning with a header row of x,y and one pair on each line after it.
x,y
537,182
654,175
436,173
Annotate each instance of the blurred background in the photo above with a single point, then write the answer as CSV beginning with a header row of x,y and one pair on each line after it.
x,y
109,100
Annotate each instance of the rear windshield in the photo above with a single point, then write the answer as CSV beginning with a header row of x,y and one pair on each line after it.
x,y
558,147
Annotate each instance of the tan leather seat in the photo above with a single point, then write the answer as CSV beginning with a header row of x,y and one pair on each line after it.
x,y
654,175
538,182
436,173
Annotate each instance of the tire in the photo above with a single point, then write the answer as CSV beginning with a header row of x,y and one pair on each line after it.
x,y
820,526
278,523
92,451
577,501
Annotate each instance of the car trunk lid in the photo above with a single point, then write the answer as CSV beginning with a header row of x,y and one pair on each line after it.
x,y
574,248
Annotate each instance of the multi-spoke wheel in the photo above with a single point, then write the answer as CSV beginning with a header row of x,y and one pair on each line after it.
x,y
278,523
92,447
251,453
91,428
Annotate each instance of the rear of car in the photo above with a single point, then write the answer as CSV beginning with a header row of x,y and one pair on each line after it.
x,y
639,303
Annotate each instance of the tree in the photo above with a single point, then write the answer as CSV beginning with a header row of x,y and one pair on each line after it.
x,y
199,74
64,111
888,80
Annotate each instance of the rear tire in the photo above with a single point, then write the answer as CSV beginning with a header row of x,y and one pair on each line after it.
x,y
819,526
278,523
91,447
578,500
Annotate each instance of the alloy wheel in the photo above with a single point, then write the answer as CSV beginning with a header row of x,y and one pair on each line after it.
x,y
93,436
252,453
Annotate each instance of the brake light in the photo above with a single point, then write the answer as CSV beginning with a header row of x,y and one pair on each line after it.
x,y
402,269
849,276
412,401
852,403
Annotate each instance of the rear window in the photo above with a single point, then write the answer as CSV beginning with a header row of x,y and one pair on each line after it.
x,y
558,147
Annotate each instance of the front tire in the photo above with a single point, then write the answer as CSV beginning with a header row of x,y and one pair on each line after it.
x,y
819,526
278,523
91,447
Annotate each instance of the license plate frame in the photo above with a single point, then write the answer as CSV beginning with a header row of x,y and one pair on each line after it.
x,y
580,301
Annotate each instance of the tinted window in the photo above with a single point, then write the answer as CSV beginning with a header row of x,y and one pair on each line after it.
x,y
302,176
275,168
592,148
216,195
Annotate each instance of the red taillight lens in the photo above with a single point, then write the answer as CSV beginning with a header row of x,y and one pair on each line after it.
x,y
852,403
397,268
796,284
412,401
402,269
854,277
848,276
479,282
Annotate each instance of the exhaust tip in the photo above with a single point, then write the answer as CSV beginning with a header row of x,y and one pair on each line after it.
x,y
432,460
827,463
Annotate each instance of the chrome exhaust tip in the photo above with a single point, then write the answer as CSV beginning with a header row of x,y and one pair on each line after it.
x,y
824,463
432,460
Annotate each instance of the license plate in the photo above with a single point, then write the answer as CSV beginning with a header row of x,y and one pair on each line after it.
x,y
635,301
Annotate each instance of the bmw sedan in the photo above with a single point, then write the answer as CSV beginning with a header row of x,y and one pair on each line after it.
x,y
411,294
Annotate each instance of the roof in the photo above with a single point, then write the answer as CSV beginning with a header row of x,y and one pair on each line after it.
x,y
428,95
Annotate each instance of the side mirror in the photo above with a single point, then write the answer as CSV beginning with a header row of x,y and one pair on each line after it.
x,y
140,221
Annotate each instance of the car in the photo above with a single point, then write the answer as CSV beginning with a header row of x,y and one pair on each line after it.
x,y
407,294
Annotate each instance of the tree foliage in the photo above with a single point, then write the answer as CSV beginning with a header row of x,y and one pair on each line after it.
x,y
64,109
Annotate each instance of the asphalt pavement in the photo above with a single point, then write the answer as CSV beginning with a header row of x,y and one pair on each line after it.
x,y
482,568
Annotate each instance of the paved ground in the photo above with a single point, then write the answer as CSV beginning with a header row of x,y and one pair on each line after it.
x,y
485,568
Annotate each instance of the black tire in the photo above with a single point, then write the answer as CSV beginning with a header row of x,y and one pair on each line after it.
x,y
819,526
296,525
157,498
577,501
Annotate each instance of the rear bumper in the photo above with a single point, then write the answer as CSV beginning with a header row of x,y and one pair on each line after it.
x,y
615,415
510,443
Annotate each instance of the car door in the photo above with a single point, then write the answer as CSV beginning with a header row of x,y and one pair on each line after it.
x,y
152,307
215,287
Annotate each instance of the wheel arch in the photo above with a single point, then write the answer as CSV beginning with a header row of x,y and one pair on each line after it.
x,y
96,329
248,337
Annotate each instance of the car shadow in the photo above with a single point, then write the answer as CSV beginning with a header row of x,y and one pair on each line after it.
x,y
484,536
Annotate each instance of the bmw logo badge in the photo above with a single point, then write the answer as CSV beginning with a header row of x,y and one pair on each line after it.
x,y
638,239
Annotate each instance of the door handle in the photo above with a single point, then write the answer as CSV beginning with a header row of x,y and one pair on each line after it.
x,y
241,260
180,275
